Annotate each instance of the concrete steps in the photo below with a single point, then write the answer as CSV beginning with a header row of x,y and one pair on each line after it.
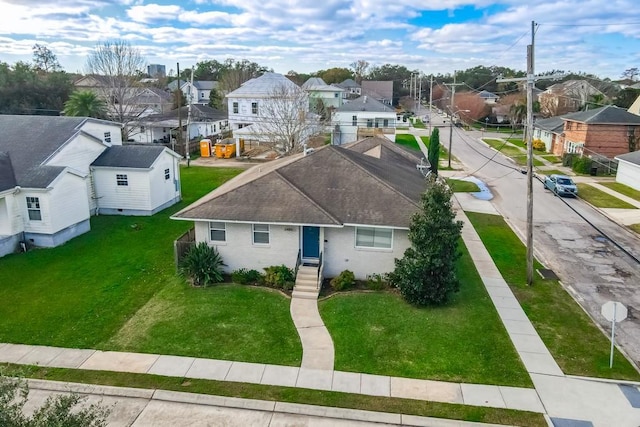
x,y
306,283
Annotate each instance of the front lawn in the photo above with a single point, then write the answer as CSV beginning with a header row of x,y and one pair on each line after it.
x,y
600,199
82,293
464,341
575,342
460,186
551,158
407,140
623,189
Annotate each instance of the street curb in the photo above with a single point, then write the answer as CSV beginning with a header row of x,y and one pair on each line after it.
x,y
250,404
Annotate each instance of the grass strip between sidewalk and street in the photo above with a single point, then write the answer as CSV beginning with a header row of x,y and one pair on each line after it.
x,y
600,199
552,172
479,414
575,342
461,186
622,189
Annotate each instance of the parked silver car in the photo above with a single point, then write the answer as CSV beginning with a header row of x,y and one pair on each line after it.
x,y
561,185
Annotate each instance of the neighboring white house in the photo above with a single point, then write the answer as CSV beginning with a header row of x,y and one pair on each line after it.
x,y
329,96
204,121
361,118
198,92
136,180
629,169
47,190
337,208
488,97
351,89
548,131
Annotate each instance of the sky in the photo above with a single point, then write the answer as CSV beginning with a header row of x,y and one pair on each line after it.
x,y
601,37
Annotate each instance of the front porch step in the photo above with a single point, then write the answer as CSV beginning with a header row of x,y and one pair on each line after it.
x,y
306,283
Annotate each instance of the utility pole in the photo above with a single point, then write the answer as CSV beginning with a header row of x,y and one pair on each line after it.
x,y
420,93
530,80
430,102
452,112
179,136
190,100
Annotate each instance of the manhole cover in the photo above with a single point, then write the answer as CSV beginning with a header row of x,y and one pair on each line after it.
x,y
547,274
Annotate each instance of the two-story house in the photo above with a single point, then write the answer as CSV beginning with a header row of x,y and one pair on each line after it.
x,y
363,117
321,95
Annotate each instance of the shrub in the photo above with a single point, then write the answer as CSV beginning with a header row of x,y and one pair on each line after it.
x,y
244,276
345,280
377,282
279,277
539,145
202,264
581,164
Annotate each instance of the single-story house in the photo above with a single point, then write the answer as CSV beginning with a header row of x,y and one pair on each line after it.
x,y
488,97
360,118
339,207
48,190
629,169
549,131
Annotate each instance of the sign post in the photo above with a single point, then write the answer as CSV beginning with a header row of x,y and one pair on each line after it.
x,y
614,312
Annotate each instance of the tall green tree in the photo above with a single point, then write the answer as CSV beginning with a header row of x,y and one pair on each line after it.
x,y
44,59
335,75
426,274
434,151
215,100
85,103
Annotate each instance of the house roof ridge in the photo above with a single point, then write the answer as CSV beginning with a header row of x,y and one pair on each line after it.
x,y
377,178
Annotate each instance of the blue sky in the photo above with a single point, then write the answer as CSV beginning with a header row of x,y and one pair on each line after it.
x,y
596,36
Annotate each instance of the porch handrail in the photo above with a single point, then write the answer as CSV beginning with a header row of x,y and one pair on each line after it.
x,y
298,262
320,266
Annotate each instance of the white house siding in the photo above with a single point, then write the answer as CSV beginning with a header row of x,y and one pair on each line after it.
x,y
131,199
329,99
340,253
239,251
349,133
147,134
544,136
77,154
207,128
164,192
628,174
98,130
243,116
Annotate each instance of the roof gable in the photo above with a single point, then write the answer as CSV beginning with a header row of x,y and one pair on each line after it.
x,y
129,156
633,157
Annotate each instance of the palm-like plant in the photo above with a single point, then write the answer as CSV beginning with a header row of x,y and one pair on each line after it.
x,y
203,264
85,104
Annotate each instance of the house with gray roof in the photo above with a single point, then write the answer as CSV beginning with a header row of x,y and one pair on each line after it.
x,y
47,187
322,95
340,207
628,172
381,90
488,97
351,89
361,118
607,131
548,131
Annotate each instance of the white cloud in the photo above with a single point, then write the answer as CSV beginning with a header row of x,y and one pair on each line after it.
x,y
153,12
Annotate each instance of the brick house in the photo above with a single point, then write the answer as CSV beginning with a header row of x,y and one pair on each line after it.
x,y
607,131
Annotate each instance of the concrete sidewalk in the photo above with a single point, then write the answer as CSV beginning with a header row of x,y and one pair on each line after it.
x,y
317,345
289,376
148,407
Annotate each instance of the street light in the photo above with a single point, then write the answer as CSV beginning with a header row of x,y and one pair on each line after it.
x,y
453,114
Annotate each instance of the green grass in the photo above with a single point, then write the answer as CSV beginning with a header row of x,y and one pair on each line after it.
x,y
407,140
517,142
623,189
121,273
635,227
553,172
418,124
460,186
518,155
469,413
600,199
464,341
551,158
576,344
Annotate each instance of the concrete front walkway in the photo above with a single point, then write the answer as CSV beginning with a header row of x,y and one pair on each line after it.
x,y
256,373
317,345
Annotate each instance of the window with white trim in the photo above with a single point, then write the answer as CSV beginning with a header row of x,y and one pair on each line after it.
x,y
260,234
369,237
235,108
33,208
217,231
354,120
254,108
122,180
167,174
107,137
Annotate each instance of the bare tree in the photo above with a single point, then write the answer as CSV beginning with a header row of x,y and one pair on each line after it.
x,y
360,69
285,120
44,59
116,66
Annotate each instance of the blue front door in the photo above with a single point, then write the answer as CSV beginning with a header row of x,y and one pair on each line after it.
x,y
310,242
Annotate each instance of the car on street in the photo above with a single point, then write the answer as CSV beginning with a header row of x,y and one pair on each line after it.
x,y
561,185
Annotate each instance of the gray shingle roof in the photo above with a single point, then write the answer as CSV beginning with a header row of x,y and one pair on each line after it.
x,y
609,114
7,178
485,94
348,83
552,124
199,112
205,84
129,156
30,140
332,186
365,103
263,86
633,157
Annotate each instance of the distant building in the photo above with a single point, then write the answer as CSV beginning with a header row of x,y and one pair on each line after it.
x,y
156,70
379,90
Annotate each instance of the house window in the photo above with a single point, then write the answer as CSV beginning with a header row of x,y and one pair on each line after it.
x,y
335,95
254,108
167,174
214,128
369,237
33,208
218,231
107,137
235,108
141,128
122,180
369,123
354,120
385,123
260,234
201,95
